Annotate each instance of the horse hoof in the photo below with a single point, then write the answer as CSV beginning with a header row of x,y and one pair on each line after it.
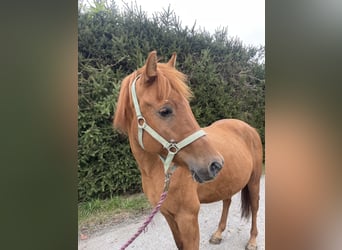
x,y
215,240
251,247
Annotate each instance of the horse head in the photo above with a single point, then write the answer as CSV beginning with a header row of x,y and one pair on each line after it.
x,y
156,96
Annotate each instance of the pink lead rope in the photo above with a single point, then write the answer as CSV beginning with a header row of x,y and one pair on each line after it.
x,y
147,221
155,209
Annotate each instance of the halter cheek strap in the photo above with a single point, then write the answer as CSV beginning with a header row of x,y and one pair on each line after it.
x,y
171,147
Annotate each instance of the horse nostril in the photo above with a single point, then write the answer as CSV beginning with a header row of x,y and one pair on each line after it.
x,y
214,168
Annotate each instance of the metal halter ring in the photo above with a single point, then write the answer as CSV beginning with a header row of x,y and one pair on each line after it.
x,y
172,148
141,122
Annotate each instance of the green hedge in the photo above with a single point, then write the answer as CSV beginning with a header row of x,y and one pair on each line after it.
x,y
227,79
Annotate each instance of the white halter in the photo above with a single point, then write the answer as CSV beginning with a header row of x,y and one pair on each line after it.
x,y
171,147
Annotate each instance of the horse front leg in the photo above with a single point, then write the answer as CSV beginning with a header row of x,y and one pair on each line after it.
x,y
174,229
185,230
216,238
189,230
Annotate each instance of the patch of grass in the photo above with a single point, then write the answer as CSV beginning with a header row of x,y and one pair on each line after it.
x,y
95,214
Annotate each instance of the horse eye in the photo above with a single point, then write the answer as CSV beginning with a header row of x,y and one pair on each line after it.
x,y
165,111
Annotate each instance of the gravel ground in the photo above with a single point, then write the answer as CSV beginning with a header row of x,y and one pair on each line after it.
x,y
158,235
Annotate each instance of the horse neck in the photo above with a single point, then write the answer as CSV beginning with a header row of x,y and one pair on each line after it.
x,y
151,169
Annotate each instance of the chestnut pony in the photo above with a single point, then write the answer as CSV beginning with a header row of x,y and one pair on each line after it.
x,y
213,164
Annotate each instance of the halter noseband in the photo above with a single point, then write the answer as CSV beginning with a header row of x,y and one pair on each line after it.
x,y
171,147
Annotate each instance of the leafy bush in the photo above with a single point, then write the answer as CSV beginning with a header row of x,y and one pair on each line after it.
x,y
227,79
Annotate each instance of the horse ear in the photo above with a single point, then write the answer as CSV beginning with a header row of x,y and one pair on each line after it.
x,y
151,65
172,61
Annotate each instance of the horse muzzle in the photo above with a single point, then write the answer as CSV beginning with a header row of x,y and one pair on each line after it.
x,y
206,174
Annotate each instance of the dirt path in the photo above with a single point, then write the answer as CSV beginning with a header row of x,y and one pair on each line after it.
x,y
159,236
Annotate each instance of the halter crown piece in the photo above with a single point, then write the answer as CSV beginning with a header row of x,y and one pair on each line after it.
x,y
171,147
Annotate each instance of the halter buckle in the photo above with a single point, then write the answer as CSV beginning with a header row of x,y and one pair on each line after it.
x,y
141,122
172,148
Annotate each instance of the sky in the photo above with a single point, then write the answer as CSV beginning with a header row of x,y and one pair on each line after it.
x,y
245,19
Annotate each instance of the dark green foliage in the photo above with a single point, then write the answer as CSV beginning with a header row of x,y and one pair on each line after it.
x,y
227,79
105,165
